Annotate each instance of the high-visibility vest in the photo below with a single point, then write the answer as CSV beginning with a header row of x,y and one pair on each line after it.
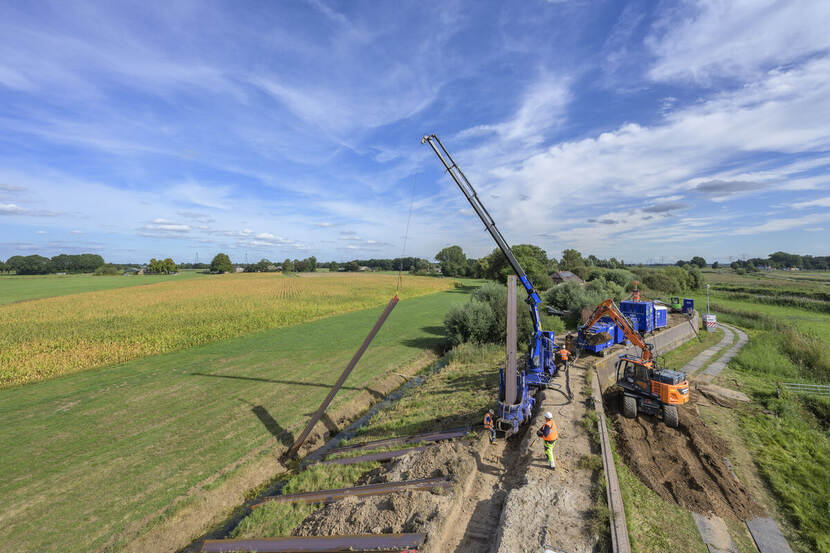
x,y
564,354
488,421
549,431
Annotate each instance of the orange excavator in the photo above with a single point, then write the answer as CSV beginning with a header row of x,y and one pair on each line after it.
x,y
647,388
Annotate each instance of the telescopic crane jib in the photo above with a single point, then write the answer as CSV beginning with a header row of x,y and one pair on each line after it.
x,y
541,360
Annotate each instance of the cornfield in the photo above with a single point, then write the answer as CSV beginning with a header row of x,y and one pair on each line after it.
x,y
46,338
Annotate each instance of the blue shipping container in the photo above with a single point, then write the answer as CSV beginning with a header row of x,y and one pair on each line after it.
x,y
688,305
641,313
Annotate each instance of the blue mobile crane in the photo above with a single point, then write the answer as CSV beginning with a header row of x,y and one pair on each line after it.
x,y
541,366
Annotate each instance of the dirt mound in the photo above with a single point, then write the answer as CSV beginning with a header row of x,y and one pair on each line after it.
x,y
410,511
686,465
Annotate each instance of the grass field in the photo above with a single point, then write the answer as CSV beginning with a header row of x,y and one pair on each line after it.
x,y
50,337
93,459
787,437
15,288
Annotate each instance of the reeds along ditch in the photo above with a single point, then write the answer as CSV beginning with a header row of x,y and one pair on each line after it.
x,y
45,338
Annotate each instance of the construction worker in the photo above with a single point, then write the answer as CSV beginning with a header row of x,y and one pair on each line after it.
x,y
563,355
488,424
549,435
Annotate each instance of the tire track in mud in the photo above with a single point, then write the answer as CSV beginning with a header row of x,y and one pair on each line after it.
x,y
686,465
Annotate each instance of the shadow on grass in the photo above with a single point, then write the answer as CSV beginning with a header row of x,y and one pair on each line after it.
x,y
282,435
275,381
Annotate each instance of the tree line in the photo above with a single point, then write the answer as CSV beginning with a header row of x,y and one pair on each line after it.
x,y
62,263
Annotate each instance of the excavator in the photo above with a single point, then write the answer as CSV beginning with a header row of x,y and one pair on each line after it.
x,y
647,388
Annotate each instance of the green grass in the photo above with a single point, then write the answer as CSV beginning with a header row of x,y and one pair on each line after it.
x,y
15,288
786,437
469,377
679,356
93,459
279,519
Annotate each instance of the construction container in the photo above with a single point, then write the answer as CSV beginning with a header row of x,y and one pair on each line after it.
x,y
688,305
606,325
661,316
641,314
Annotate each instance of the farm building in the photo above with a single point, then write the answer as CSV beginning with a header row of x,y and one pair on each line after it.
x,y
565,276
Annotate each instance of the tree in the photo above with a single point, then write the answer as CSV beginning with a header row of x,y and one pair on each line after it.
x,y
571,260
351,266
287,266
715,265
334,267
533,259
699,261
452,260
221,264
34,265
162,266
3,267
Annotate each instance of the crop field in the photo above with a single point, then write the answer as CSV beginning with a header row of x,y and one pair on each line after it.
x,y
15,288
41,339
96,459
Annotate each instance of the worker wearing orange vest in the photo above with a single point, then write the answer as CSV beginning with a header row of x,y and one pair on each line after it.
x,y
563,355
549,435
488,424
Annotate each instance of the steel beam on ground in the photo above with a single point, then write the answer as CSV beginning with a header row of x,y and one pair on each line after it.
x,y
413,439
317,544
383,488
382,456
336,388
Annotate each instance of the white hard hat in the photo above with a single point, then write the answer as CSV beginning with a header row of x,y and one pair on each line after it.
x,y
548,415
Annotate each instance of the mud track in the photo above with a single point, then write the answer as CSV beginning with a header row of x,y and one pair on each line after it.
x,y
685,465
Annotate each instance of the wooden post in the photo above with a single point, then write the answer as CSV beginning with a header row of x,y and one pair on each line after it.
x,y
510,365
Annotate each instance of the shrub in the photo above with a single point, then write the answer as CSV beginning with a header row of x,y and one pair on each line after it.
x,y
469,322
484,318
107,269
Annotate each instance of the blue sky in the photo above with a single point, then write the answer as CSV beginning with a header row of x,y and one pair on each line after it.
x,y
640,130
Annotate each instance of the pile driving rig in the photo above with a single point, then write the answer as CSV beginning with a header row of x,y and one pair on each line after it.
x,y
541,366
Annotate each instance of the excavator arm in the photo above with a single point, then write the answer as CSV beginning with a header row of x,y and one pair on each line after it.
x,y
608,309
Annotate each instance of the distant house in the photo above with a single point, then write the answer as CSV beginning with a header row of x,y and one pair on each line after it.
x,y
565,276
364,268
239,270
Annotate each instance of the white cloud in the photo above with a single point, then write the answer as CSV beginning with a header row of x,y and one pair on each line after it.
x,y
821,202
266,236
786,223
11,209
40,232
736,39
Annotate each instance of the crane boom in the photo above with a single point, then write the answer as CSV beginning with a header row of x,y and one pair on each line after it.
x,y
533,299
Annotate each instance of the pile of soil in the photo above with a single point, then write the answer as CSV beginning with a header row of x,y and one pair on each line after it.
x,y
409,511
685,465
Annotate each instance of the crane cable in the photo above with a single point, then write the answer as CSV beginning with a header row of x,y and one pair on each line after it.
x,y
406,235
